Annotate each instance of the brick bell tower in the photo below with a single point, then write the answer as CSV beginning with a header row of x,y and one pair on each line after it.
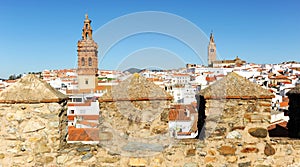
x,y
212,54
87,50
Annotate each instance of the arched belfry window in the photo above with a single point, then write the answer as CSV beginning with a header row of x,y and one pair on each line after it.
x,y
90,61
86,26
82,62
87,35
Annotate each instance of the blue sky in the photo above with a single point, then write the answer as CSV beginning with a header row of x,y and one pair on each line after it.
x,y
38,35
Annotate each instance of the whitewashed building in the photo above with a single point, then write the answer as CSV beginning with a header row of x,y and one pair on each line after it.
x,y
183,121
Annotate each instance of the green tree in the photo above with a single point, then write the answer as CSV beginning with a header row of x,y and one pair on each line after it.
x,y
12,77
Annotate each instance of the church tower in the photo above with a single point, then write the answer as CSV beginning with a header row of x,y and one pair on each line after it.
x,y
212,50
87,65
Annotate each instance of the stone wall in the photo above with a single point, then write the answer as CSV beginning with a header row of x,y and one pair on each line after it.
x,y
30,137
31,134
235,133
121,115
130,125
230,114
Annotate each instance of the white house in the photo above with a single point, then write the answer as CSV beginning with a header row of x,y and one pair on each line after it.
x,y
184,94
180,79
82,108
183,121
83,119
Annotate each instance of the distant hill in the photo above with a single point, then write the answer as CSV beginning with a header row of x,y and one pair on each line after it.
x,y
133,70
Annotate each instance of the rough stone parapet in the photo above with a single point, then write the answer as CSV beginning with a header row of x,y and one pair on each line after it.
x,y
32,133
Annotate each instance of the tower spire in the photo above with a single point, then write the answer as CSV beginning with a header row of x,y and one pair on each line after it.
x,y
212,36
211,50
87,50
87,29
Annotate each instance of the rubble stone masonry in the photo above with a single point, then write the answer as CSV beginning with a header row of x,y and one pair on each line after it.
x,y
31,134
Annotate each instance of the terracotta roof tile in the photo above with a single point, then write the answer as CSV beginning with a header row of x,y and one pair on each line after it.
x,y
88,123
284,104
83,134
71,117
179,75
11,81
182,116
173,114
210,79
84,117
179,115
79,104
285,99
183,133
281,124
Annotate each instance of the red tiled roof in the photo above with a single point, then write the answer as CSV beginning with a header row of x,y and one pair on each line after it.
x,y
282,124
84,117
71,117
284,104
221,75
278,130
173,115
72,77
154,79
103,87
83,134
190,107
181,75
80,104
210,79
178,115
88,123
183,133
280,77
11,81
285,99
